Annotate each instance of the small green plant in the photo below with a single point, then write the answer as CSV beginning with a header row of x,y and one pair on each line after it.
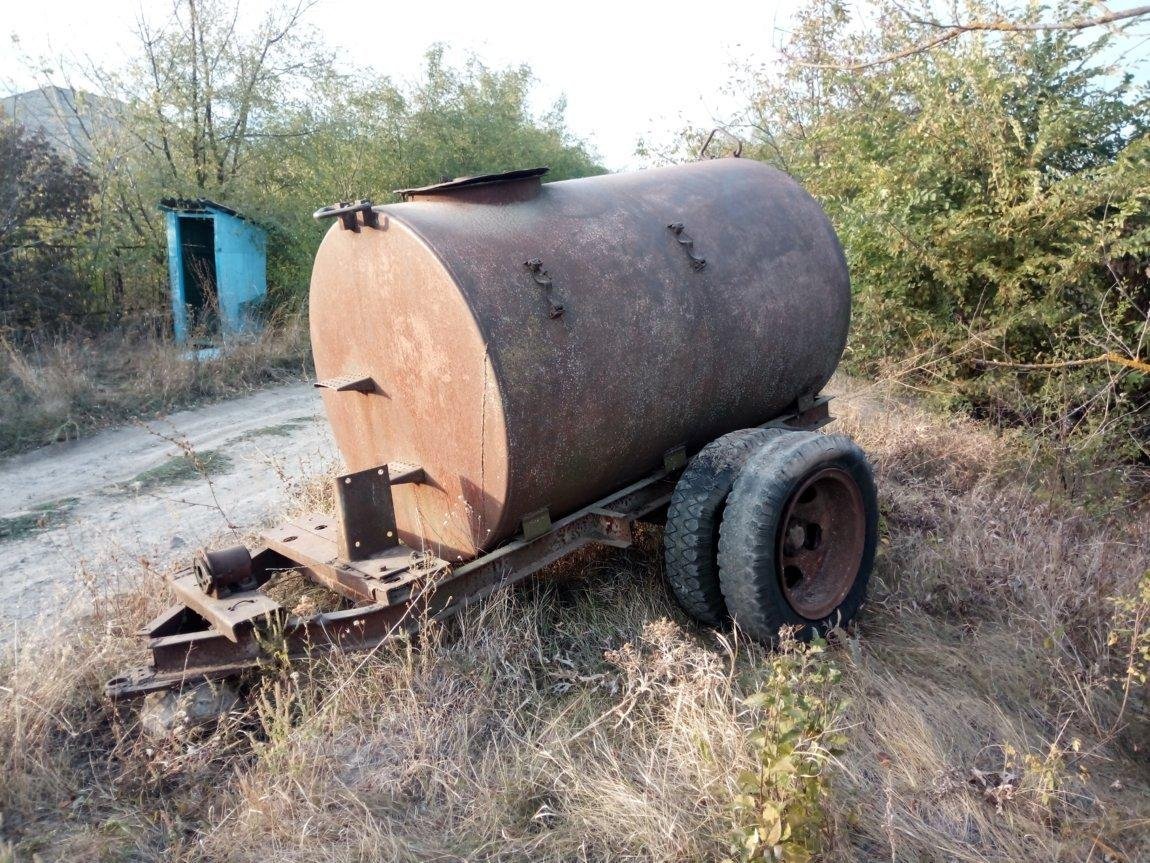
x,y
44,516
284,429
187,466
778,809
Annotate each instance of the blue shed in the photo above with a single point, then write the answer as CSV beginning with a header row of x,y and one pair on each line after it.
x,y
217,262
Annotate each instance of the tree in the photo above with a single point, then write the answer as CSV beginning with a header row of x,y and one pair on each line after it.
x,y
993,197
261,119
936,33
367,140
45,203
208,93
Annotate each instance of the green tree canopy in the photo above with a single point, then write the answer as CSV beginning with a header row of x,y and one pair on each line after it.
x,y
44,204
263,119
993,197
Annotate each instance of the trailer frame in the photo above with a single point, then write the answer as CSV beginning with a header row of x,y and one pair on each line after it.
x,y
224,622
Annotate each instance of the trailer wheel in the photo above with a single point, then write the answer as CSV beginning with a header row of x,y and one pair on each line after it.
x,y
691,534
798,537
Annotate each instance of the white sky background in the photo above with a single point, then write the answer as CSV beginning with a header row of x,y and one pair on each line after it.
x,y
628,69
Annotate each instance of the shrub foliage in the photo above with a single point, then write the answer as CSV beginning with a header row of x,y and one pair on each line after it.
x,y
992,195
44,204
261,115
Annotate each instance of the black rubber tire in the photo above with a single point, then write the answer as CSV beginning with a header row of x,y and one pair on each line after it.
x,y
691,534
749,534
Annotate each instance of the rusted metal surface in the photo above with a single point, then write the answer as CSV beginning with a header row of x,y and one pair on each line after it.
x,y
386,577
518,389
222,570
228,614
364,514
208,638
820,542
184,651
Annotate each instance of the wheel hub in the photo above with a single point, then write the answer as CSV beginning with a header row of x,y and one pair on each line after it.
x,y
821,541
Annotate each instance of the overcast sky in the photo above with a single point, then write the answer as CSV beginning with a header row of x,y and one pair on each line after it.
x,y
627,68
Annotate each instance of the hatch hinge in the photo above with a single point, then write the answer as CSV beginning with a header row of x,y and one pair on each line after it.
x,y
347,214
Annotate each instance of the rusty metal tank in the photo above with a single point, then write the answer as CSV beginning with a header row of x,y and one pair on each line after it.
x,y
538,345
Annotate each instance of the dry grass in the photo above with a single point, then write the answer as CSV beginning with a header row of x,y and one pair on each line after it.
x,y
59,388
985,700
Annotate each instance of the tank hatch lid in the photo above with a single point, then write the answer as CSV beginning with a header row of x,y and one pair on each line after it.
x,y
452,187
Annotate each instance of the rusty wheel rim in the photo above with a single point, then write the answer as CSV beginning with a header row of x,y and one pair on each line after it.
x,y
821,539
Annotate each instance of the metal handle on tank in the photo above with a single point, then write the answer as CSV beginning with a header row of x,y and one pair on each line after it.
x,y
542,278
346,212
688,244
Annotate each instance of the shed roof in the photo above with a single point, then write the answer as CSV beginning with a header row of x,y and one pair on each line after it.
x,y
201,205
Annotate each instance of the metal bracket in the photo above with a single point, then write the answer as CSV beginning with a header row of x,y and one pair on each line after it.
x,y
706,144
540,275
346,212
809,414
365,514
675,458
536,524
347,383
227,614
688,245
403,473
542,278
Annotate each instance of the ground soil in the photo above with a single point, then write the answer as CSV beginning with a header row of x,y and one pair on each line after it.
x,y
79,512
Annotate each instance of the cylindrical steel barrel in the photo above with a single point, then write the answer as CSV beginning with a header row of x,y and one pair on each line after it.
x,y
537,345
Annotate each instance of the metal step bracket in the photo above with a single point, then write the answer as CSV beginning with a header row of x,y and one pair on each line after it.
x,y
365,514
347,383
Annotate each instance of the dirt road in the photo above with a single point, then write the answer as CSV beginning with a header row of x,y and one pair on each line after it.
x,y
80,516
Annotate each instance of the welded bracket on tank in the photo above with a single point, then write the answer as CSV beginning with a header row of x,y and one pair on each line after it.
x,y
542,278
365,515
807,416
536,524
346,211
402,473
679,230
347,383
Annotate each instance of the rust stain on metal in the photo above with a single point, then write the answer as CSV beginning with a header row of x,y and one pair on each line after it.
x,y
513,398
821,542
489,428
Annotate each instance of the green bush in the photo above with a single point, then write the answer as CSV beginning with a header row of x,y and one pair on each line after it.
x,y
993,198
779,809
